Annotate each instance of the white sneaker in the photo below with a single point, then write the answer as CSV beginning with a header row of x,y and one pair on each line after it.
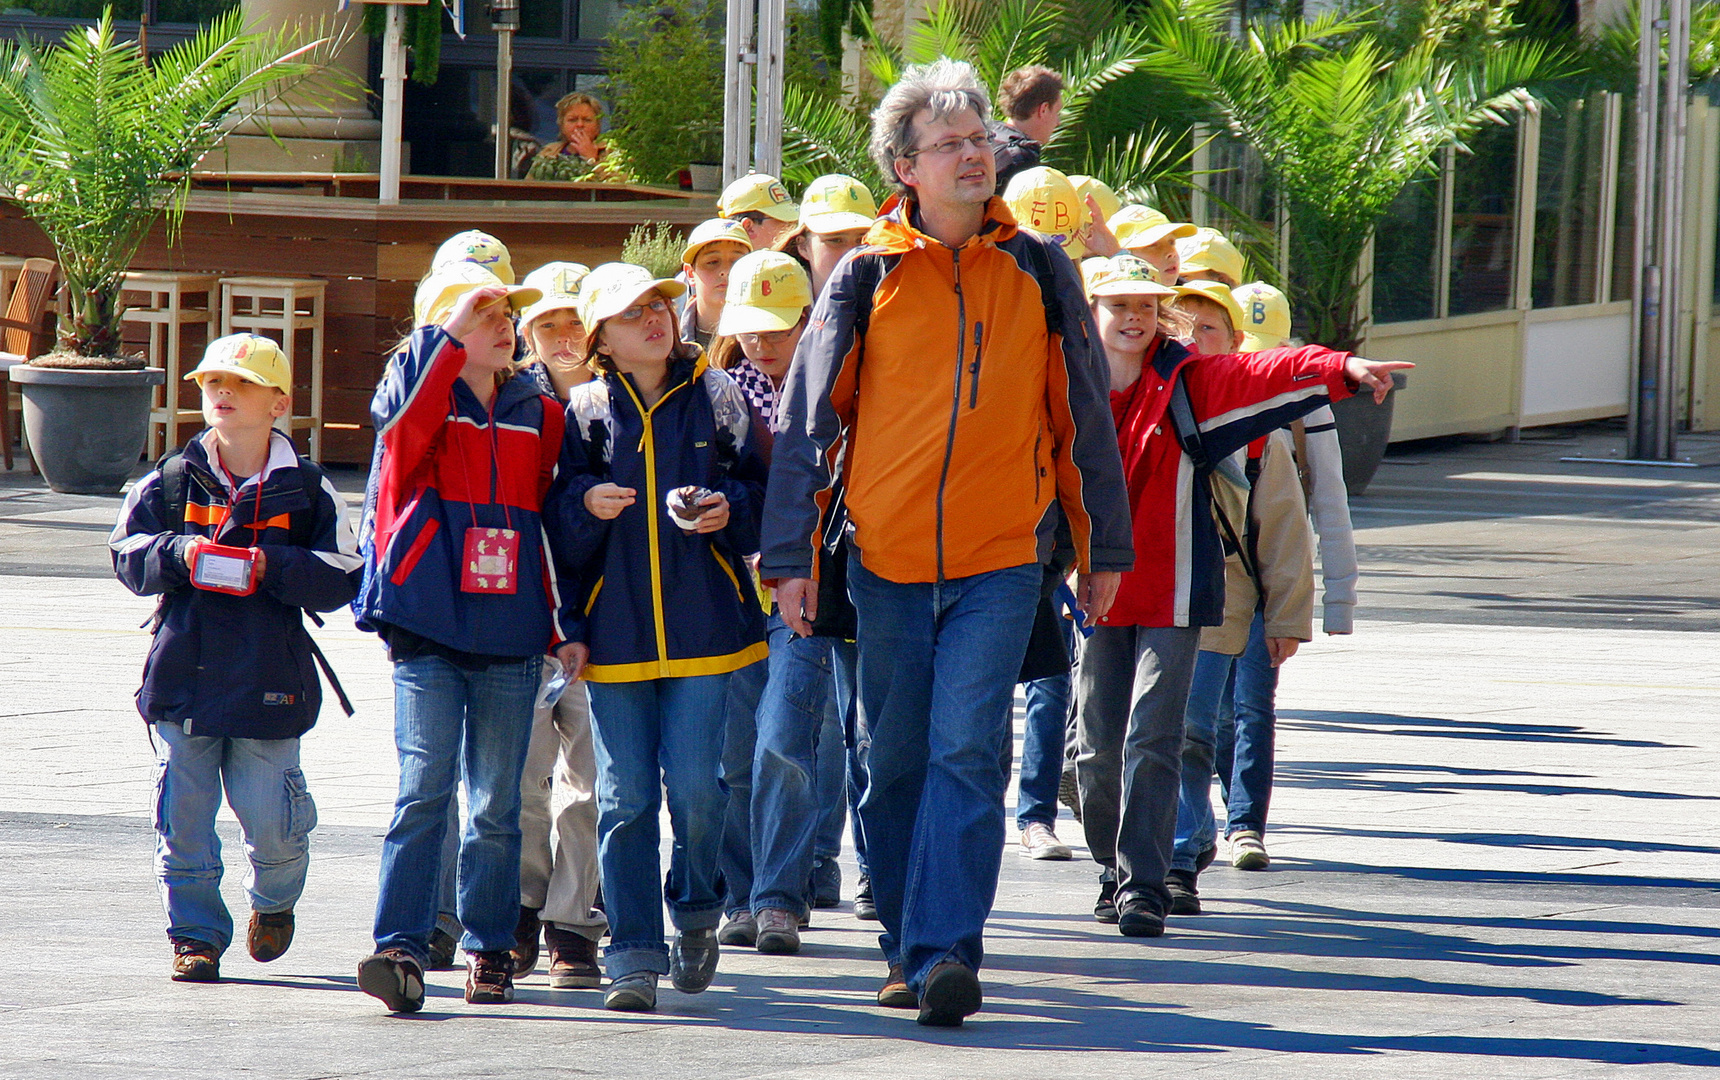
x,y
1248,852
1039,842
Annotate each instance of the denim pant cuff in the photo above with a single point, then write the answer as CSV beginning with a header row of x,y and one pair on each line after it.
x,y
420,953
704,917
626,958
794,904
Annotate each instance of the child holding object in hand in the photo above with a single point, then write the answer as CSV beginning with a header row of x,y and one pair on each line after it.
x,y
668,605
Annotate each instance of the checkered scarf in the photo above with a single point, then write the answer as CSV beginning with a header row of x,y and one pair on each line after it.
x,y
756,385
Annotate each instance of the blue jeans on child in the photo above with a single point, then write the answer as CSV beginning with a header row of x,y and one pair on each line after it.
x,y
1230,729
649,736
938,663
266,790
455,725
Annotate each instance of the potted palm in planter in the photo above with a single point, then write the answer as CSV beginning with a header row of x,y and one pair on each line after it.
x,y
96,145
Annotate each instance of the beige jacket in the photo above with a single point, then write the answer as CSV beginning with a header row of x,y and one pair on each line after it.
x,y
1277,520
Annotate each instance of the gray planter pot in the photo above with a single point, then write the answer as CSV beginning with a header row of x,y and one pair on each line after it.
x,y
87,428
1363,431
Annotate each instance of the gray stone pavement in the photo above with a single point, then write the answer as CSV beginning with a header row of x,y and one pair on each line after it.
x,y
1495,840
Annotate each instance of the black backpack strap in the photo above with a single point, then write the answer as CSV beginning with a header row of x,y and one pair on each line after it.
x,y
175,487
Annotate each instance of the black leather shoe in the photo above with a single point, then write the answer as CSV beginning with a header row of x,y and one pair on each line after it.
x,y
693,960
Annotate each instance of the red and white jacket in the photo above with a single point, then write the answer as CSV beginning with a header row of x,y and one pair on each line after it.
x,y
1178,579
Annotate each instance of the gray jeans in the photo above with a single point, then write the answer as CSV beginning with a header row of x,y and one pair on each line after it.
x,y
1131,690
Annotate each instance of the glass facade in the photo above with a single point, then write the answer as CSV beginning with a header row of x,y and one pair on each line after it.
x,y
166,11
1568,204
1483,223
1406,256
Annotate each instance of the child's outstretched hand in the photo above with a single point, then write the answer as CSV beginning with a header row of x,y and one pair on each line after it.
x,y
1374,374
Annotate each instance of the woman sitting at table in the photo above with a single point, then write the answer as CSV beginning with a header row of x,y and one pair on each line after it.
x,y
577,155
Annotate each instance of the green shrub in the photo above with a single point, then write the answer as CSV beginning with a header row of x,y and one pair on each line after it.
x,y
665,62
656,247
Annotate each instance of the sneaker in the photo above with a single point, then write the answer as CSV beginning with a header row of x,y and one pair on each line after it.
x,y
1105,908
1069,792
393,977
693,960
572,960
864,907
778,932
490,977
1139,919
739,930
526,934
826,890
269,935
636,992
195,961
1185,898
442,947
952,993
1248,851
894,994
1039,842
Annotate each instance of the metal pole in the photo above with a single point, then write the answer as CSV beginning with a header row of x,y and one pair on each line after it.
x,y
505,19
737,98
767,152
1645,339
393,97
1675,133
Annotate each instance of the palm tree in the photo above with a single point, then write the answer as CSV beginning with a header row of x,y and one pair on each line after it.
x,y
97,144
1342,123
1117,125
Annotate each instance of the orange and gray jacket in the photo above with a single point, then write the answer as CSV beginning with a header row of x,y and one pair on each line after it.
x,y
954,393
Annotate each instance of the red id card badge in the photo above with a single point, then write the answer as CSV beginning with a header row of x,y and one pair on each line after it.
x,y
491,561
220,568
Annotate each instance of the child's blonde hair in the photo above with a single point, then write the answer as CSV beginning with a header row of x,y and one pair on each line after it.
x,y
1186,305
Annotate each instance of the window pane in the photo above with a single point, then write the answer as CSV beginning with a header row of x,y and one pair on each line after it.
x,y
1567,204
167,11
541,18
598,17
1406,255
1239,203
1484,199
1624,229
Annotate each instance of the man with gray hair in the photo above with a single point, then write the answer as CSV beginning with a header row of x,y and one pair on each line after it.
x,y
947,410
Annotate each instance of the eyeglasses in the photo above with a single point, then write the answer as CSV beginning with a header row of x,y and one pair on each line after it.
x,y
750,217
946,147
637,312
774,337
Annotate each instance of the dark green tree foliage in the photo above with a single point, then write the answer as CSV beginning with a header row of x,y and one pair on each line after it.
x,y
665,62
422,33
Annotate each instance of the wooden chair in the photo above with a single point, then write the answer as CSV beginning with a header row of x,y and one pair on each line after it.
x,y
19,329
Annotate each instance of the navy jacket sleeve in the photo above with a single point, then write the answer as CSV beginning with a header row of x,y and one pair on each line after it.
x,y
744,481
148,557
325,575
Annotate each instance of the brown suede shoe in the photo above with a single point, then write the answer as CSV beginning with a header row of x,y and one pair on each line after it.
x,y
393,977
895,993
269,935
572,960
195,961
489,978
526,934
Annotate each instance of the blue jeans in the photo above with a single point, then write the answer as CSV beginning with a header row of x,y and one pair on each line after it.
x,y
1247,736
856,739
832,772
649,736
453,726
786,809
266,790
937,669
1045,731
740,738
1229,729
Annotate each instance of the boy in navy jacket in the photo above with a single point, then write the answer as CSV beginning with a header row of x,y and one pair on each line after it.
x,y
233,724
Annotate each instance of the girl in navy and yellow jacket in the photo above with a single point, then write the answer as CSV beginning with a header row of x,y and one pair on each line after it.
x,y
666,602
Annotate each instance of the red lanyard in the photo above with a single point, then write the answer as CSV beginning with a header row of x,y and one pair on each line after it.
x,y
257,525
495,470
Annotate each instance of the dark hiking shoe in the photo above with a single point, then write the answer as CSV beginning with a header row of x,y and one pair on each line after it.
x,y
636,992
442,947
894,994
739,930
393,977
952,993
269,936
1137,918
490,977
526,934
1105,908
864,907
826,890
1185,898
572,960
693,960
778,932
195,961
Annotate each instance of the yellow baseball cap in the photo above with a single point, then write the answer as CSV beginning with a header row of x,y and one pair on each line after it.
x,y
1122,275
476,247
711,232
614,287
1137,226
1102,194
768,291
834,203
1265,316
759,192
1044,200
252,357
1209,249
559,282
1219,293
438,292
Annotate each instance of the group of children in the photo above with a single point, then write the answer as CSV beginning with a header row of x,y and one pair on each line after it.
x,y
558,549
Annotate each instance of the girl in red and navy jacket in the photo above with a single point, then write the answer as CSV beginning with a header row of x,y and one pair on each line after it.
x,y
458,584
660,495
1133,681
